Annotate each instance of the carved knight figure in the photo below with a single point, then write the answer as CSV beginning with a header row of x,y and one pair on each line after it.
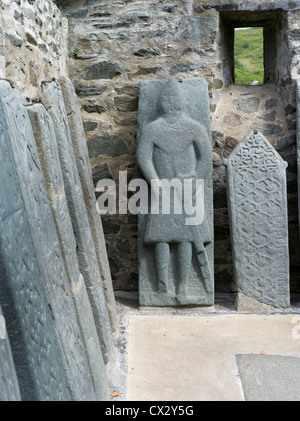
x,y
174,146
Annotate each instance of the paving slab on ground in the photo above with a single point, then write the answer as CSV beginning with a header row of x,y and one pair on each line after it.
x,y
212,357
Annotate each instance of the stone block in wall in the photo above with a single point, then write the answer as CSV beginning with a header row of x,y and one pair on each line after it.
x,y
49,157
201,30
53,101
34,342
85,174
9,386
257,201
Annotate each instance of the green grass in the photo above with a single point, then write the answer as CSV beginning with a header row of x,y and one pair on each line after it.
x,y
248,56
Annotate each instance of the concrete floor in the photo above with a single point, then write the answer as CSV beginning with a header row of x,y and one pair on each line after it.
x,y
212,354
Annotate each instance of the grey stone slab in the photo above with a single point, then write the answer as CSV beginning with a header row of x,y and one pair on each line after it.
x,y
85,174
257,201
298,140
49,157
47,247
269,377
52,99
174,141
9,386
33,340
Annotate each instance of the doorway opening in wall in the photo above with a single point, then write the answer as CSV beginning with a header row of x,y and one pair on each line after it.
x,y
249,56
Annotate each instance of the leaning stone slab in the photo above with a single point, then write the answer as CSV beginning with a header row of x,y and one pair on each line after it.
x,y
52,99
85,174
257,201
34,342
48,153
174,143
47,247
9,386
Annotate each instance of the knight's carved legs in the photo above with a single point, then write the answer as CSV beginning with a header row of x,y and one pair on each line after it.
x,y
184,266
162,258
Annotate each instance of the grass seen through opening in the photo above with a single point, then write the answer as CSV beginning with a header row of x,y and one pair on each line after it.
x,y
249,56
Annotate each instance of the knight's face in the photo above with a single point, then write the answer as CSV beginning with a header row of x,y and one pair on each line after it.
x,y
171,100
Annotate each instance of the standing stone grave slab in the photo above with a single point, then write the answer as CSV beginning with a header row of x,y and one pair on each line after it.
x,y
9,386
53,101
34,342
174,142
85,174
257,201
48,153
47,247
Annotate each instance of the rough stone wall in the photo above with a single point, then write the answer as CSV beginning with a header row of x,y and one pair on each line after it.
x,y
33,44
113,46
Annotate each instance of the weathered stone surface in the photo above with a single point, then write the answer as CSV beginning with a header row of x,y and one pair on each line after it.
x,y
270,103
100,172
286,143
9,386
201,30
49,157
36,46
92,107
175,260
248,105
106,145
126,103
34,343
269,378
85,174
147,52
53,101
258,216
90,126
267,129
90,90
47,248
246,304
102,70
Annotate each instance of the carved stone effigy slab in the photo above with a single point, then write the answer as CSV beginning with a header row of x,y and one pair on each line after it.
x,y
9,386
52,99
33,340
47,248
48,153
85,174
174,142
257,200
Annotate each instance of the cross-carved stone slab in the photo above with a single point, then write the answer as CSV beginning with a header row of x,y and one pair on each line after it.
x,y
53,101
257,200
48,153
33,339
85,174
47,248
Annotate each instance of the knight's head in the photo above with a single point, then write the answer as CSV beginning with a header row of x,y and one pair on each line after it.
x,y
171,100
